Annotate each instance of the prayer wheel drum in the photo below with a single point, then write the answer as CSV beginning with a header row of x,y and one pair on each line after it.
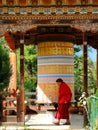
x,y
55,60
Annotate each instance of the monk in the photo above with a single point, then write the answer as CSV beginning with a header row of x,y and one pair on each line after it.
x,y
63,102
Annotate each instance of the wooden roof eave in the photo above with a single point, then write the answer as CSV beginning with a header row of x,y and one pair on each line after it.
x,y
34,36
55,37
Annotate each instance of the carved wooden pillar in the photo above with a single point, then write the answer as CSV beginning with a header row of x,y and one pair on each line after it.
x,y
21,114
85,66
85,75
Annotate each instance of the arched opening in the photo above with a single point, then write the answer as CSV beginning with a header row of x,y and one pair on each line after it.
x,y
46,36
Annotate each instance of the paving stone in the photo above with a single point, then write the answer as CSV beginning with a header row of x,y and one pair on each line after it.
x,y
44,121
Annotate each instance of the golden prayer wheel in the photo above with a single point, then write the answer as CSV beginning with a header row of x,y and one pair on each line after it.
x,y
55,60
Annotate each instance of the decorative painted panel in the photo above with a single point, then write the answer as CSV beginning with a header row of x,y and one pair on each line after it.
x,y
46,2
71,2
16,2
0,2
10,2
49,7
83,2
95,2
23,11
59,2
95,10
1,11
22,2
34,2
4,2
11,11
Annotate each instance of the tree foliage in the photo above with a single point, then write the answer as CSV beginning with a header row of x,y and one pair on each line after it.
x,y
30,67
78,71
91,74
5,68
30,64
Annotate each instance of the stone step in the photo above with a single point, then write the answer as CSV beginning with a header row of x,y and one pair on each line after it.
x,y
17,127
11,118
12,124
43,121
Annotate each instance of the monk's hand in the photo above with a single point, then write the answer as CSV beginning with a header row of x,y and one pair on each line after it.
x,y
65,102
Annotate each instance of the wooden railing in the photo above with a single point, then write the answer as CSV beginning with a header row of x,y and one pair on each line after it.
x,y
8,107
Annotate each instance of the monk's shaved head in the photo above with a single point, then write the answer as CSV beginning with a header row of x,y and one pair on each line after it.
x,y
59,80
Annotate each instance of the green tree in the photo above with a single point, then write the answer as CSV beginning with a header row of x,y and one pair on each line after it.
x,y
30,67
91,75
78,71
5,73
30,64
5,68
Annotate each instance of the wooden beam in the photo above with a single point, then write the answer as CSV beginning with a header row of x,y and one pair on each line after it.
x,y
40,17
85,67
85,74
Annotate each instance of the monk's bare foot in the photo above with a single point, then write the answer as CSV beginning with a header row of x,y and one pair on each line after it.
x,y
67,123
56,123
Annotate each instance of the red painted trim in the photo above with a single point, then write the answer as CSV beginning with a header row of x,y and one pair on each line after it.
x,y
9,41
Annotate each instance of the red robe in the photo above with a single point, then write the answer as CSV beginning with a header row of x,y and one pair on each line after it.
x,y
64,96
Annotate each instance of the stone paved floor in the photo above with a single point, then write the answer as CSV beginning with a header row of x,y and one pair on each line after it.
x,y
44,121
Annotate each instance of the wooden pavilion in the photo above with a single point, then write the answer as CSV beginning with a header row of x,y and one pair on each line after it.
x,y
33,21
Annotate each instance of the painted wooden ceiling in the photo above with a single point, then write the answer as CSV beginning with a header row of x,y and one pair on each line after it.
x,y
72,14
